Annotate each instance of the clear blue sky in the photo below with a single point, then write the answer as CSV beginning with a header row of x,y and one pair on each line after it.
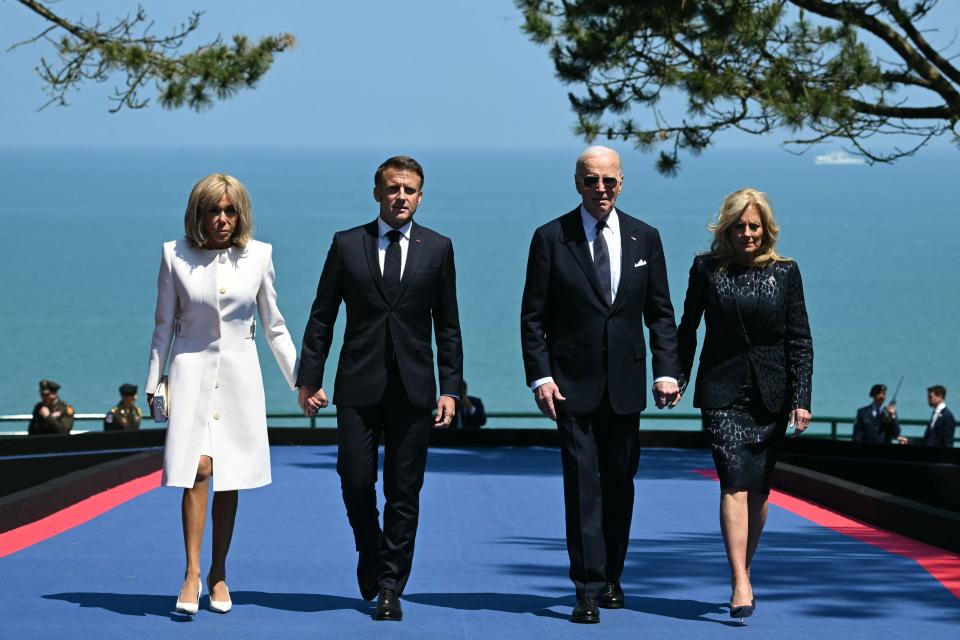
x,y
365,73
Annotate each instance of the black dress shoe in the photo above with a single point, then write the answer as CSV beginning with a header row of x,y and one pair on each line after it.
x,y
388,606
586,611
611,597
367,578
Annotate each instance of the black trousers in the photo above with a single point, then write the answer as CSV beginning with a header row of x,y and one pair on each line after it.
x,y
406,433
601,453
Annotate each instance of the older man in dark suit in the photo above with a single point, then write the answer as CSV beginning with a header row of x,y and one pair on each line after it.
x,y
397,279
594,276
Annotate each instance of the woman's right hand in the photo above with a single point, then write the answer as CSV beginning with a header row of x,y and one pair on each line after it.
x,y
799,420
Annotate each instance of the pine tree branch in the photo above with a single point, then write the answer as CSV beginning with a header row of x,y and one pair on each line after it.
x,y
850,13
931,54
193,79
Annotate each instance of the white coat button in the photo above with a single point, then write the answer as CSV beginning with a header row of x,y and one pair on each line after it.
x,y
223,289
216,415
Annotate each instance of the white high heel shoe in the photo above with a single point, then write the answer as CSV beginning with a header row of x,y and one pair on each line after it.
x,y
219,606
190,608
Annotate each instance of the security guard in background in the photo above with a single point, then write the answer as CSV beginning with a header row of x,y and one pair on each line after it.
x,y
51,414
126,415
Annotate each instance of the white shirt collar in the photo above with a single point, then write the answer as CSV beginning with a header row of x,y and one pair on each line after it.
x,y
385,228
590,223
940,407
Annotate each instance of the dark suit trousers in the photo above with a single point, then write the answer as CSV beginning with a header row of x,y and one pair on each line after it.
x,y
406,432
601,454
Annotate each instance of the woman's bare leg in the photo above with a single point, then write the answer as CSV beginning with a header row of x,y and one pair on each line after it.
x,y
193,509
734,525
224,516
757,514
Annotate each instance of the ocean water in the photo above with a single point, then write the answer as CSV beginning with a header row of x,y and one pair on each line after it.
x,y
82,231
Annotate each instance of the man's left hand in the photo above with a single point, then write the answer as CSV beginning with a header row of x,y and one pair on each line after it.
x,y
666,394
446,407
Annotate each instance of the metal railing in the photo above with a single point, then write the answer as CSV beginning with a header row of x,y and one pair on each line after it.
x,y
840,428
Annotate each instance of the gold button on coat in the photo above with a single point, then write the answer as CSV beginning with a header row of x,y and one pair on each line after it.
x,y
223,289
216,415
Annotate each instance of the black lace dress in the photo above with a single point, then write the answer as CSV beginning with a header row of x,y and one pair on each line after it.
x,y
756,364
745,437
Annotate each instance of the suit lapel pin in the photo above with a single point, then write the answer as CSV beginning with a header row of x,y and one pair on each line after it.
x,y
418,241
632,238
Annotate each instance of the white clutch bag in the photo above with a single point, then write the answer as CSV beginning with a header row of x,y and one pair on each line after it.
x,y
161,401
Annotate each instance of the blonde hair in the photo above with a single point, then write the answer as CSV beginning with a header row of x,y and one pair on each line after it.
x,y
206,194
734,205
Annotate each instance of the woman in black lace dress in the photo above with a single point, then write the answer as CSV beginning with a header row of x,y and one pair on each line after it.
x,y
755,368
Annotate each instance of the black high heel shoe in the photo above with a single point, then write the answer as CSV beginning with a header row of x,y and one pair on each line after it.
x,y
743,611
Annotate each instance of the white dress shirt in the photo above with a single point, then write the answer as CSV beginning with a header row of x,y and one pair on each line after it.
x,y
611,235
383,242
936,412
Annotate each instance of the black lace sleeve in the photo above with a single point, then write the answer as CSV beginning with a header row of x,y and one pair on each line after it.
x,y
798,343
693,305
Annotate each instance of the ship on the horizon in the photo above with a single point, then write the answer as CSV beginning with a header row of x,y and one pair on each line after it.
x,y
837,157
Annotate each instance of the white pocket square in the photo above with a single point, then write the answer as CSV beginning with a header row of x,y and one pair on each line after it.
x,y
640,263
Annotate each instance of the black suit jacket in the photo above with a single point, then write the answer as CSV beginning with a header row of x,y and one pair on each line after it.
x,y
428,295
942,433
879,429
778,349
568,331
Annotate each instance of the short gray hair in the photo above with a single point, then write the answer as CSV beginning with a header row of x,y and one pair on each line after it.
x,y
596,150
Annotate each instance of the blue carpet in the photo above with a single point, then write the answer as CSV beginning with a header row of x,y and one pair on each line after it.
x,y
490,563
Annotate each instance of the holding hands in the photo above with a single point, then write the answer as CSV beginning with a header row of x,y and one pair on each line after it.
x,y
312,400
666,394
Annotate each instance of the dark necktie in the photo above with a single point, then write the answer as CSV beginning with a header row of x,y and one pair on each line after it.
x,y
601,262
391,265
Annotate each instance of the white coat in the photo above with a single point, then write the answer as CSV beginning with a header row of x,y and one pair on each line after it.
x,y
206,301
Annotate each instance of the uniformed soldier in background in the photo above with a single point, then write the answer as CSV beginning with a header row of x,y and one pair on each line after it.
x,y
51,414
126,415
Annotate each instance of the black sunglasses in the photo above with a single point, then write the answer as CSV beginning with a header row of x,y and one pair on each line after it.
x,y
593,181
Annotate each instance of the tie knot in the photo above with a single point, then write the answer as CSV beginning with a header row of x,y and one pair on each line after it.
x,y
600,225
393,236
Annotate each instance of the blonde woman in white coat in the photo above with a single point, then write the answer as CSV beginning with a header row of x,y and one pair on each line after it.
x,y
210,286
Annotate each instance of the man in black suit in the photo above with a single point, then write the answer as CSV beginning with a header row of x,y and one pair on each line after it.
x,y
594,276
396,278
940,432
876,423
